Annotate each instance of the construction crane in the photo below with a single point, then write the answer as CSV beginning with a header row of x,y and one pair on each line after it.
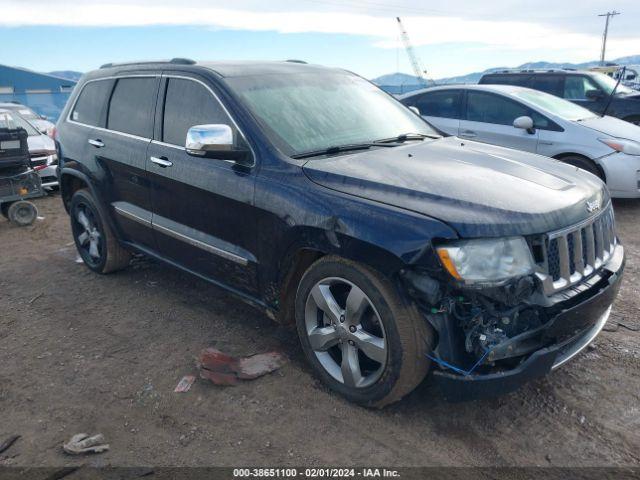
x,y
413,58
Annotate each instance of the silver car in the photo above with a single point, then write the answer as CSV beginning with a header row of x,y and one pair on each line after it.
x,y
42,149
42,124
537,122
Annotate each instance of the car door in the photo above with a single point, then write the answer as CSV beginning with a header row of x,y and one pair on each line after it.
x,y
119,150
202,207
582,90
489,118
441,108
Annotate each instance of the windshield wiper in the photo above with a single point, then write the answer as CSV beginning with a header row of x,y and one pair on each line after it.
x,y
333,150
406,137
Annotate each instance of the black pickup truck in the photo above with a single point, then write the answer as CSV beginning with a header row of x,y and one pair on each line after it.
x,y
325,202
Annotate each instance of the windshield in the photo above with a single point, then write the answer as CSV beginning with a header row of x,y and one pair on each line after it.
x,y
308,112
28,114
554,105
12,120
608,84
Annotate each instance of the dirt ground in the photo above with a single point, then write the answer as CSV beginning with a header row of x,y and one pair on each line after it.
x,y
86,353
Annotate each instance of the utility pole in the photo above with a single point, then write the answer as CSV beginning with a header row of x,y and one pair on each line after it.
x,y
606,31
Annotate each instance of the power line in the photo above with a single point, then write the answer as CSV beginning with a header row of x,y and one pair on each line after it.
x,y
606,31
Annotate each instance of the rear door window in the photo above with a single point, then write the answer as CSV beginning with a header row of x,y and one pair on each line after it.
x,y
552,84
132,105
489,108
91,103
189,103
445,103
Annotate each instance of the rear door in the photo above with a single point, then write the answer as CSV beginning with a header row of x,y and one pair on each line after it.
x,y
441,108
489,118
120,150
203,207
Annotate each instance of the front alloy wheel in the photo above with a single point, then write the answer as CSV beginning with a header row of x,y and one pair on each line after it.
x,y
361,335
345,332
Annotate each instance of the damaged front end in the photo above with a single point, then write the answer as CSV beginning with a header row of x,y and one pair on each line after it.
x,y
494,335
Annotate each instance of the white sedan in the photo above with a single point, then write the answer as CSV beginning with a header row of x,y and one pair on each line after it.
x,y
535,121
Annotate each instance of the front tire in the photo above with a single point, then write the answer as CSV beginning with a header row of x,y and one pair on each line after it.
x,y
584,164
363,339
93,237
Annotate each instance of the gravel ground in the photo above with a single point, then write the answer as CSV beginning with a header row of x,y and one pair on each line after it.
x,y
86,353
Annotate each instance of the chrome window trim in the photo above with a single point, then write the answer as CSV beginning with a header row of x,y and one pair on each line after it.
x,y
132,216
215,95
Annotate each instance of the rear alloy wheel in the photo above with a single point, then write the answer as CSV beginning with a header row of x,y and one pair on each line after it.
x,y
364,340
94,240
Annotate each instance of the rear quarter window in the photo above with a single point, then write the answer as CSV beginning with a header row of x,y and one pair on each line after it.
x,y
91,102
132,106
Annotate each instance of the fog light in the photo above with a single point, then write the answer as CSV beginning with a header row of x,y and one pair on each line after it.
x,y
23,191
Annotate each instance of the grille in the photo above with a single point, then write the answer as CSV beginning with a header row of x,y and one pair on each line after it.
x,y
38,161
574,253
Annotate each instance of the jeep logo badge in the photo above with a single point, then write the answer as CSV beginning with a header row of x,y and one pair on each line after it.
x,y
593,206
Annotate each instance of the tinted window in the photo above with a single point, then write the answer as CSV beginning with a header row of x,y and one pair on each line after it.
x,y
188,103
577,86
445,104
489,108
131,106
513,79
89,107
547,83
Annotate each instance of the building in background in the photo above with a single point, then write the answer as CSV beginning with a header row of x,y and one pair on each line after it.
x,y
43,93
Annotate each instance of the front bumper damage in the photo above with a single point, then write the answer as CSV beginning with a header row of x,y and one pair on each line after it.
x,y
583,311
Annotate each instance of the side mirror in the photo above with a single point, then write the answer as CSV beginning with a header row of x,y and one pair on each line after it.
x,y
525,123
214,141
594,94
414,110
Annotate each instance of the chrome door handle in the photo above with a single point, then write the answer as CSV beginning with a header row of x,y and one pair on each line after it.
x,y
96,143
468,134
163,162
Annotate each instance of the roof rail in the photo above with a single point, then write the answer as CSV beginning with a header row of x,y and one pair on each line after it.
x,y
535,70
293,60
177,61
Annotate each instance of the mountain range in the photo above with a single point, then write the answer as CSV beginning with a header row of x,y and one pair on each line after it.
x,y
398,79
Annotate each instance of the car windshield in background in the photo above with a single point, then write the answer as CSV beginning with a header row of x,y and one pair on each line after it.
x,y
28,114
21,122
608,84
554,105
306,112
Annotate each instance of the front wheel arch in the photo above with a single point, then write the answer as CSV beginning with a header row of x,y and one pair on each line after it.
x,y
576,158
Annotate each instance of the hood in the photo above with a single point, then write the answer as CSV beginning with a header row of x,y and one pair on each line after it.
x,y
40,143
613,127
480,190
41,124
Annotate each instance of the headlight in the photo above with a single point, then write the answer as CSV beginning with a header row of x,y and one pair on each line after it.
x,y
487,260
629,147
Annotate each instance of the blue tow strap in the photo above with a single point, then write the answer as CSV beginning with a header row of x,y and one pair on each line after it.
x,y
457,369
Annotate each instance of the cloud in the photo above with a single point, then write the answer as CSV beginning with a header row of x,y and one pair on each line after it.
x,y
383,31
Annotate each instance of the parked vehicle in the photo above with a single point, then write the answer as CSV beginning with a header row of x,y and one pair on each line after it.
x,y
630,79
18,181
42,149
42,124
537,122
591,90
317,197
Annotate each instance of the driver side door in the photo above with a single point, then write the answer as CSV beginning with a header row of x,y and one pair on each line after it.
x,y
203,215
489,119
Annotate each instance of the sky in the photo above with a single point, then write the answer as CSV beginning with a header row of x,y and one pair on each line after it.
x,y
450,37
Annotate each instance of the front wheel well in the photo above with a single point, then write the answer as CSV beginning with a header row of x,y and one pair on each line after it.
x,y
297,265
568,155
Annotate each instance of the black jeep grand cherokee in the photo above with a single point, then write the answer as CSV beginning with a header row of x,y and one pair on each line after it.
x,y
317,197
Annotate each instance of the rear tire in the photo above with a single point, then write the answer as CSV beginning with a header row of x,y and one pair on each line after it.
x,y
385,319
583,163
94,239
